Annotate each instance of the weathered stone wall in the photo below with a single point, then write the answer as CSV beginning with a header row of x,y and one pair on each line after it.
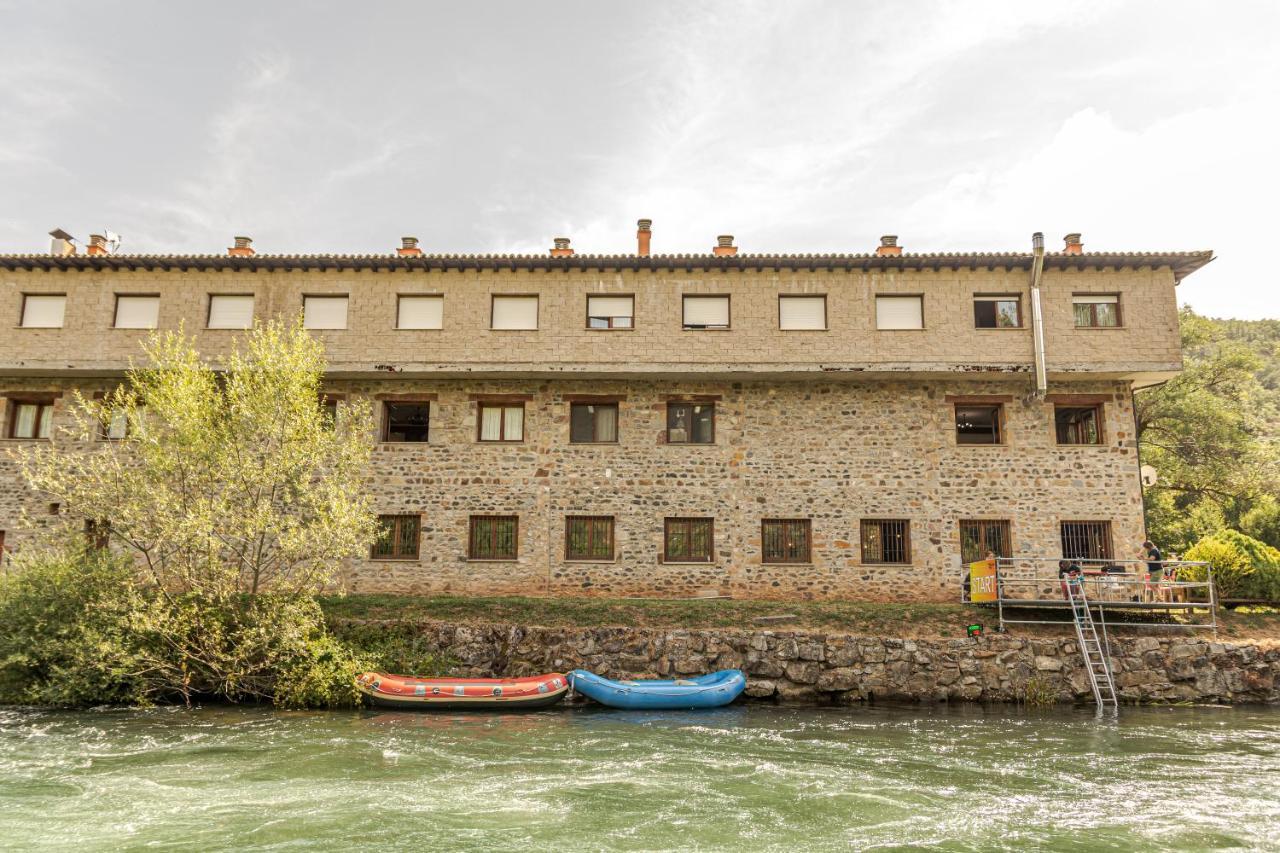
x,y
834,452
1148,341
804,667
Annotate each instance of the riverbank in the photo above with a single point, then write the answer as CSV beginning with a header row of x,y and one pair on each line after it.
x,y
830,654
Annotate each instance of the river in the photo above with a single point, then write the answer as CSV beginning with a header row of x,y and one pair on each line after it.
x,y
743,778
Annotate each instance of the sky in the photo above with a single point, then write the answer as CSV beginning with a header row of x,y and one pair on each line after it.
x,y
795,126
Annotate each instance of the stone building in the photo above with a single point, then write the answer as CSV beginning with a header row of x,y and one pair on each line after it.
x,y
768,426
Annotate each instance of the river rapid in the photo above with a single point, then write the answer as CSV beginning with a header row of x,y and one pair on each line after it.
x,y
742,778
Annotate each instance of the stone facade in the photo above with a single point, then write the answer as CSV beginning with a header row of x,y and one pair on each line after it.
x,y
834,426
808,668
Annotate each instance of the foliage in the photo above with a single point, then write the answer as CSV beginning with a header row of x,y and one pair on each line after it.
x,y
1243,567
1036,692
1211,434
223,510
400,647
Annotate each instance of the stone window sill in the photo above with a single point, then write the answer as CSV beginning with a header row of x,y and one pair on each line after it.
x,y
699,563
491,560
592,562
395,559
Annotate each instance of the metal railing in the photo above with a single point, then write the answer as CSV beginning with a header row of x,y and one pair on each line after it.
x,y
1122,587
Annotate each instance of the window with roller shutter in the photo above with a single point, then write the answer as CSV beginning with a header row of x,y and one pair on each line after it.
x,y
324,312
899,312
420,312
706,312
43,310
514,313
137,312
802,312
230,311
610,312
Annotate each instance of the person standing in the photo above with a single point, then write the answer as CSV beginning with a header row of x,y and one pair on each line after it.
x,y
1155,568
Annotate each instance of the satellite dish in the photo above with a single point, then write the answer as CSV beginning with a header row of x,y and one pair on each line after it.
x,y
1148,473
113,240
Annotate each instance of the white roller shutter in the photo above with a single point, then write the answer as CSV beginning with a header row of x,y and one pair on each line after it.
x,y
137,312
230,312
706,311
899,312
802,312
515,312
1090,298
324,312
420,312
43,311
610,306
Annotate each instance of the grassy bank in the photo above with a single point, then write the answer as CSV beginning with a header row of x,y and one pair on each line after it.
x,y
889,620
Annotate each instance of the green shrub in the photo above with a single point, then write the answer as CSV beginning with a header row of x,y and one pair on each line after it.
x,y
1243,567
392,647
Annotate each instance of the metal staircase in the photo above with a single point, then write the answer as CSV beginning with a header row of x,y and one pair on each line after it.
x,y
1097,659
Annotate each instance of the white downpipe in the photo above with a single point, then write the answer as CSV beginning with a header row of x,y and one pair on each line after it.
x,y
1037,315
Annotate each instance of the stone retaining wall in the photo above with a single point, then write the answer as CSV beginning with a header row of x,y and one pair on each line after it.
x,y
804,667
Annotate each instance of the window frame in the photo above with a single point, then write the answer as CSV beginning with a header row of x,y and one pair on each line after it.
x,y
1100,526
385,431
42,405
400,297
998,422
875,312
728,304
570,557
115,317
1003,525
537,310
617,420
610,327
22,311
806,525
691,404
1097,419
473,521
1093,310
395,537
906,541
997,298
481,405
826,319
208,314
688,521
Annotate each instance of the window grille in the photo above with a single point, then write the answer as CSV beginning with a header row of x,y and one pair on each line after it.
x,y
588,537
886,541
1086,540
493,537
977,537
688,540
398,537
785,540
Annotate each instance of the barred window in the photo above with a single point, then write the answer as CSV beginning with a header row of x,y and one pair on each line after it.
x,y
493,537
886,540
588,537
785,540
1086,540
688,540
397,538
980,536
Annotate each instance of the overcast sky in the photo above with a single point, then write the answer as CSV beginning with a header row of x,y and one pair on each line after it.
x,y
796,126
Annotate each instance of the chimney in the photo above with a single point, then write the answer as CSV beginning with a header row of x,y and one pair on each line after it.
x,y
97,245
243,247
724,245
62,243
644,231
889,246
408,247
561,249
1073,245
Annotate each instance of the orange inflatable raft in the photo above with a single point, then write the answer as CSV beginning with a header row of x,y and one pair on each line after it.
x,y
451,694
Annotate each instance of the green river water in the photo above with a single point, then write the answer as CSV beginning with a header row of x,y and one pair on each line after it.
x,y
742,778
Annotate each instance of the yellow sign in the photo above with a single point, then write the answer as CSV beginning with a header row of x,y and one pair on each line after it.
x,y
982,580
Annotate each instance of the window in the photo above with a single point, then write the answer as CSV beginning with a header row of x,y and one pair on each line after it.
x,y
137,312
492,537
501,422
899,312
785,540
43,310
1095,310
116,425
610,312
593,423
230,312
97,533
979,537
978,424
406,422
398,537
1078,424
420,312
1086,540
886,541
30,419
802,312
691,423
588,537
706,312
514,312
688,540
997,312
324,312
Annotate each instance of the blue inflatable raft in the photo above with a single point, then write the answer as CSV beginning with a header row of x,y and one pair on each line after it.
x,y
705,691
